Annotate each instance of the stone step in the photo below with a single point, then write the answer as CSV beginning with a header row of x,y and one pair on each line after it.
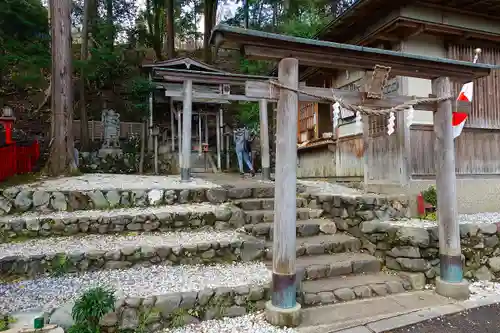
x,y
350,287
258,216
61,255
205,292
321,244
160,218
305,228
331,265
108,191
263,203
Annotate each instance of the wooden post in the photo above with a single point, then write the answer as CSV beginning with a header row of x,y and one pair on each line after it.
x,y
366,150
172,124
228,159
403,132
283,309
218,133
264,140
155,141
179,136
205,134
200,151
186,131
451,282
150,121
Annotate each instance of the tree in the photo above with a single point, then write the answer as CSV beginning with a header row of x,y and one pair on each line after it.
x,y
170,31
209,14
61,159
84,126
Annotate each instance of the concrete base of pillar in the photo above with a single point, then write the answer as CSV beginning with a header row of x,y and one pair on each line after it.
x,y
283,317
266,173
455,290
185,174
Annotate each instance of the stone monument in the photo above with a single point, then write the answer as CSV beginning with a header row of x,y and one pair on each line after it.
x,y
111,126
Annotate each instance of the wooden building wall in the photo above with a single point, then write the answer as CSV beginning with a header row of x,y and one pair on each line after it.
x,y
486,102
477,149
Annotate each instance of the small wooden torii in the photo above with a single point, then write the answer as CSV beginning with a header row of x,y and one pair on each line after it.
x,y
283,310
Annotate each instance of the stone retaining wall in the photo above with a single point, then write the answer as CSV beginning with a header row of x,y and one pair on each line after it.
x,y
412,248
16,200
179,309
31,226
352,209
242,249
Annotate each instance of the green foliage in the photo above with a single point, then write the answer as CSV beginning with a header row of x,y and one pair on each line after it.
x,y
248,114
138,90
430,195
25,44
305,24
5,322
61,265
91,307
431,216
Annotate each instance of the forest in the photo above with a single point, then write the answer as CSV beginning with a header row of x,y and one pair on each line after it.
x,y
98,48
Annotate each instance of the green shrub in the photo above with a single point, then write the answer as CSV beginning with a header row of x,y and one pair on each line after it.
x,y
90,307
430,195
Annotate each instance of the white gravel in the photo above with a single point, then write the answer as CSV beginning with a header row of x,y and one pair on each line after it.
x,y
252,323
49,292
89,182
484,289
93,214
87,243
479,218
493,217
323,187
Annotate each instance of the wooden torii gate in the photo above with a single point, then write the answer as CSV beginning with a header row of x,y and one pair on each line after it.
x,y
192,86
283,310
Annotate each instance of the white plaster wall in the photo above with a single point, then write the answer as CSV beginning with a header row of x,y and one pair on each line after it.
x,y
423,45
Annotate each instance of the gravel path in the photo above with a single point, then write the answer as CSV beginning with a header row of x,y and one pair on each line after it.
x,y
254,323
89,182
179,209
50,292
87,243
323,187
479,218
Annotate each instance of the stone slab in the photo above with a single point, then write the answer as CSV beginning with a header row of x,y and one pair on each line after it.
x,y
348,282
335,317
322,244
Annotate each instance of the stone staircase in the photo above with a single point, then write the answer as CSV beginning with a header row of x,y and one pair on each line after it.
x,y
332,266
193,251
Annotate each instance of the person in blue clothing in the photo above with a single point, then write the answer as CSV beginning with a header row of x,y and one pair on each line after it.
x,y
242,139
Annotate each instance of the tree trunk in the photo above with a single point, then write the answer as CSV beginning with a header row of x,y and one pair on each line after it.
x,y
209,14
109,21
143,147
169,10
61,159
157,31
84,125
246,10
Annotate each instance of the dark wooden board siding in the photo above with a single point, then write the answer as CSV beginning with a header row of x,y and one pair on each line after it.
x,y
486,101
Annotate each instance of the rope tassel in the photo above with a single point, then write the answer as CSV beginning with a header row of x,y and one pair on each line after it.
x,y
391,123
359,124
409,117
336,114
